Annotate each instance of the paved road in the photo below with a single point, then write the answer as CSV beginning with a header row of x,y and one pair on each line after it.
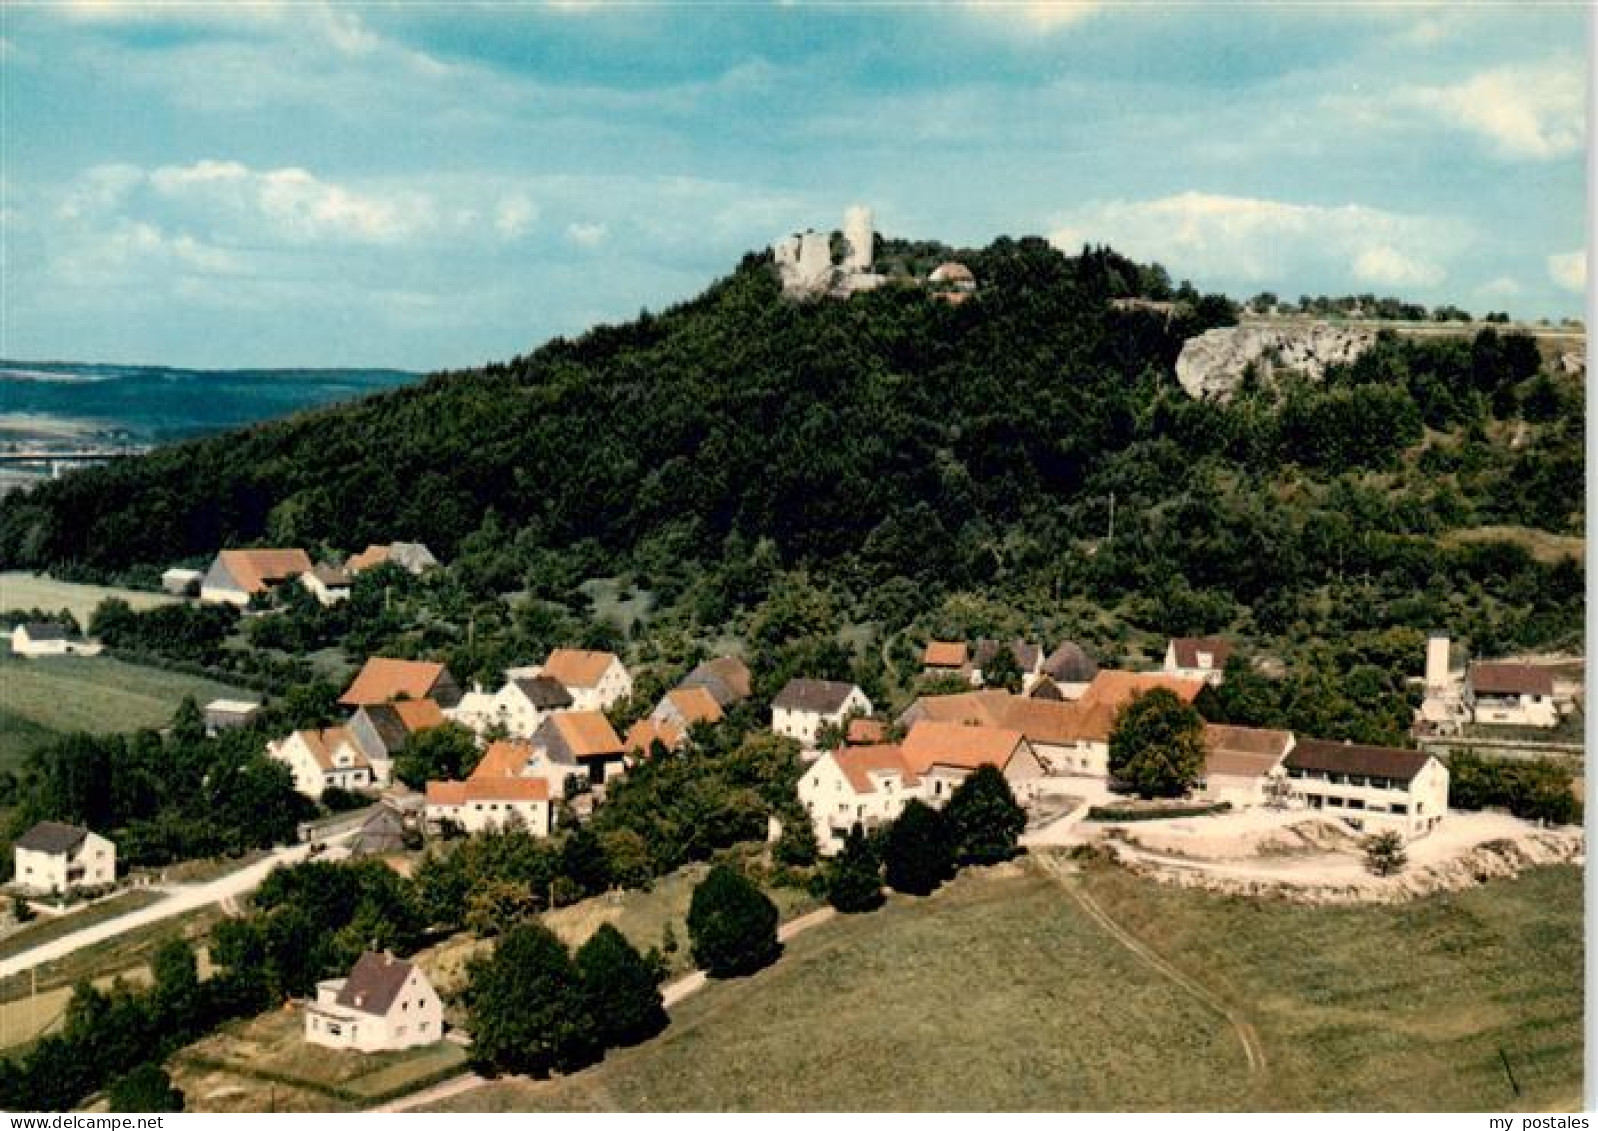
x,y
180,898
673,993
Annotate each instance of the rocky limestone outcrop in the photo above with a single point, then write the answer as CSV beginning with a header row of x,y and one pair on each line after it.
x,y
1212,364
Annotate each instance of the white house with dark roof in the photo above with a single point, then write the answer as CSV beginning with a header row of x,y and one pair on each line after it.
x,y
803,707
46,638
1197,657
1243,765
1519,695
329,584
385,1004
1371,788
55,858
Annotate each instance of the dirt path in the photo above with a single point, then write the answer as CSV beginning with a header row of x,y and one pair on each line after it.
x,y
672,994
1247,1036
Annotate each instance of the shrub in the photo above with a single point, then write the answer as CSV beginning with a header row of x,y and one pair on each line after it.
x,y
985,822
917,852
732,925
854,879
619,985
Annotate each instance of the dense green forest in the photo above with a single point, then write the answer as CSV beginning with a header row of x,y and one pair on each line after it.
x,y
892,460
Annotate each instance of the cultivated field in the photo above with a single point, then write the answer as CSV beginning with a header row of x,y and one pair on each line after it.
x,y
1014,992
265,1064
53,695
22,590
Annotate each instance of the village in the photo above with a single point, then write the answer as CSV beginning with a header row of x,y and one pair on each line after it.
x,y
1262,810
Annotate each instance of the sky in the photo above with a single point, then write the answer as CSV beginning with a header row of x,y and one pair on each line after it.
x,y
435,186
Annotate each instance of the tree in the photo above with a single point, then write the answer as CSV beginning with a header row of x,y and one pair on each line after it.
x,y
796,847
732,925
1384,853
527,1006
619,986
1157,745
442,753
1002,669
146,1088
985,821
917,853
854,878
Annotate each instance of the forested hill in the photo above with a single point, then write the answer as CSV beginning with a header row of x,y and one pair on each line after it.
x,y
894,436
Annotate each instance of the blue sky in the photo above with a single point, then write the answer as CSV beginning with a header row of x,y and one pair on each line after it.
x,y
431,186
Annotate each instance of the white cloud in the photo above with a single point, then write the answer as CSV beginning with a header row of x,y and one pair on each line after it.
x,y
1525,112
586,234
1569,269
1243,240
1384,266
514,216
1501,287
1035,15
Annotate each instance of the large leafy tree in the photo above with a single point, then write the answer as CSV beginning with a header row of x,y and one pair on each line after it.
x,y
854,877
1157,745
917,852
985,821
442,753
732,925
619,986
529,1012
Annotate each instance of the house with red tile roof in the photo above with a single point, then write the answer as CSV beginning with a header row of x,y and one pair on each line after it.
x,y
321,759
1243,765
235,576
865,785
595,680
384,680
945,754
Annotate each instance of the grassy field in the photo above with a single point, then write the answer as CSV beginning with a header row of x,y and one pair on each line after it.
x,y
640,915
19,590
265,1062
1002,992
1543,545
42,698
44,928
126,952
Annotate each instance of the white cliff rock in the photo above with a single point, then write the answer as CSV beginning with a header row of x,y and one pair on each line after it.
x,y
1212,364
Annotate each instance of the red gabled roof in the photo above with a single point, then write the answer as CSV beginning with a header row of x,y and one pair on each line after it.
x,y
858,763
1511,679
944,654
954,744
382,680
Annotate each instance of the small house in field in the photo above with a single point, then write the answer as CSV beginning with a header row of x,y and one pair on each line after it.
x,y
1197,657
385,1004
237,575
382,680
804,706
53,858
46,638
182,582
1511,695
225,714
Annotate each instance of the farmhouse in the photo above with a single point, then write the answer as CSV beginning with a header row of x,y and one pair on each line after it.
x,y
323,758
53,858
237,575
481,803
1511,695
1115,689
381,730
45,638
1243,765
522,705
803,707
586,739
868,785
413,557
727,679
1197,657
1372,788
596,680
683,707
385,1004
329,584
945,754
382,680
